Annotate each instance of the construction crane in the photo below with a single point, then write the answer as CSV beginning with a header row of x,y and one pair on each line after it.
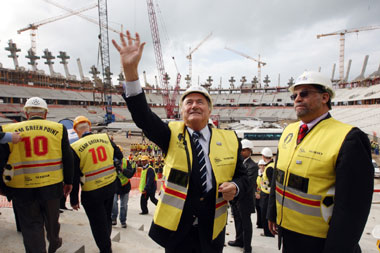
x,y
169,105
34,26
259,63
177,86
342,34
92,20
105,58
189,56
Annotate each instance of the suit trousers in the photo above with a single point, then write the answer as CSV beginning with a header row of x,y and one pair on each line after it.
x,y
192,244
264,208
243,225
33,215
144,201
99,215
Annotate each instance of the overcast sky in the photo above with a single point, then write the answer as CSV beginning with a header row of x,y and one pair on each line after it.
x,y
283,32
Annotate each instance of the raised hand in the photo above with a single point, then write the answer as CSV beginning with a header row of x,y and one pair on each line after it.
x,y
130,55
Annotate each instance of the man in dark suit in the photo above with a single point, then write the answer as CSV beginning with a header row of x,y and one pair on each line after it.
x,y
243,207
314,205
203,169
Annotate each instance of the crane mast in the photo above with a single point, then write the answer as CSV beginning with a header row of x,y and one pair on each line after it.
x,y
342,34
190,58
169,104
105,57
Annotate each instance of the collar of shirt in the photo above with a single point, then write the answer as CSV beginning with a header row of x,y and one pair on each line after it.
x,y
311,124
246,159
205,134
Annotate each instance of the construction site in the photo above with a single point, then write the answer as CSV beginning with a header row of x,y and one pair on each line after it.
x,y
96,94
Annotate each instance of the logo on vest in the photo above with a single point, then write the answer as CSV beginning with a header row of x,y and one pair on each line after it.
x,y
288,138
217,160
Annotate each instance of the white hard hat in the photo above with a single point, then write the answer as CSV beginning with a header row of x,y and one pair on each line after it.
x,y
196,89
246,144
312,77
35,102
261,162
267,152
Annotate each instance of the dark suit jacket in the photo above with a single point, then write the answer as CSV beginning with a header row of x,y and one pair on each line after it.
x,y
249,199
159,132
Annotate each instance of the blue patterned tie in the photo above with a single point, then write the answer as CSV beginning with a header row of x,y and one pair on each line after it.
x,y
201,161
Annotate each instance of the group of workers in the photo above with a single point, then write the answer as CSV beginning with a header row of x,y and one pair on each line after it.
x,y
309,195
146,148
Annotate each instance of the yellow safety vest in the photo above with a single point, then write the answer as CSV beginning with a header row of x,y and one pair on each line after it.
x,y
223,157
96,161
35,161
305,182
258,182
265,180
143,178
123,179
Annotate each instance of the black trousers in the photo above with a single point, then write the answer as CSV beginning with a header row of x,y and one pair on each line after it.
x,y
192,244
99,215
243,225
264,208
259,224
33,216
144,201
298,243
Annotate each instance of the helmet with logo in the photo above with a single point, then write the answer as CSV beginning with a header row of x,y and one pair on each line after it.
x,y
81,119
312,77
35,102
247,144
267,152
196,89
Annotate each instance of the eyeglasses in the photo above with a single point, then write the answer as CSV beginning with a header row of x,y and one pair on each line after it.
x,y
304,94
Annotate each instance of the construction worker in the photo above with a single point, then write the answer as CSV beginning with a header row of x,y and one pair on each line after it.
x,y
94,156
125,170
243,207
148,185
261,165
321,194
265,188
191,214
37,172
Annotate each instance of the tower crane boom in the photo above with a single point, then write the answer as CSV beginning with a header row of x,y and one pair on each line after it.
x,y
92,20
342,34
34,26
259,62
189,56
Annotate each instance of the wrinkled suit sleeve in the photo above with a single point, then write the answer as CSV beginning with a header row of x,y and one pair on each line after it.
x,y
353,193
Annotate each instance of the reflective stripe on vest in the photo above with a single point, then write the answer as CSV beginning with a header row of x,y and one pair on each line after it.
x,y
305,182
173,195
301,202
223,159
35,161
95,152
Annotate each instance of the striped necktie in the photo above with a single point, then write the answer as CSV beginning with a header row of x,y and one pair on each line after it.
x,y
302,132
201,161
